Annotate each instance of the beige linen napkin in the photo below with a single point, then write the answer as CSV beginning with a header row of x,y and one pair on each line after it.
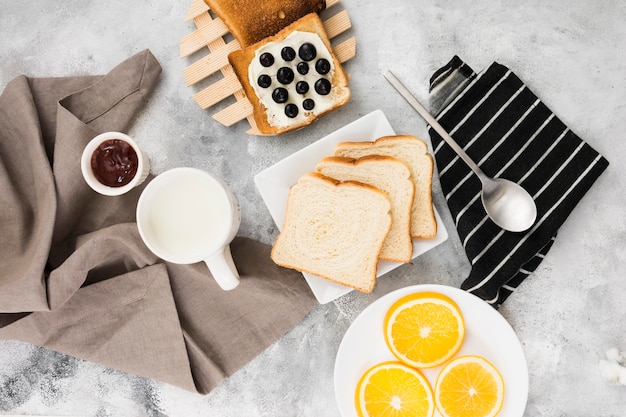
x,y
75,276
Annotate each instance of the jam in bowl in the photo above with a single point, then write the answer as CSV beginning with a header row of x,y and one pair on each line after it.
x,y
113,164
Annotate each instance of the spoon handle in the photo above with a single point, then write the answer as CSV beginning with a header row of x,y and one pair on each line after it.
x,y
404,92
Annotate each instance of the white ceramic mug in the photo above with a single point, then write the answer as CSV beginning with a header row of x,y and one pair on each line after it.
x,y
186,215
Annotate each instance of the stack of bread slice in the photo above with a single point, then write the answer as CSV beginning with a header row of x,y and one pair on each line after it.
x,y
363,204
393,178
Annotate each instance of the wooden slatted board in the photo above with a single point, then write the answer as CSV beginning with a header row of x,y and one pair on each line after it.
x,y
210,33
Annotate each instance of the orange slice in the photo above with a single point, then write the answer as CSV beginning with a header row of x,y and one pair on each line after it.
x,y
394,389
424,329
469,386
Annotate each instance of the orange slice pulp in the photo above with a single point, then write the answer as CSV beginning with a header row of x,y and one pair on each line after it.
x,y
394,389
424,329
469,386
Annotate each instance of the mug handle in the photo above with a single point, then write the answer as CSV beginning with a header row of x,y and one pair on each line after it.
x,y
223,269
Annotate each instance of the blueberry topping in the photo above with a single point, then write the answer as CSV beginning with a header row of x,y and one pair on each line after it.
x,y
308,104
303,68
302,87
322,66
284,75
291,110
322,86
280,95
288,53
264,81
266,59
307,52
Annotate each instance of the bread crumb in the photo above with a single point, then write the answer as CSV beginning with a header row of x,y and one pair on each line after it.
x,y
613,369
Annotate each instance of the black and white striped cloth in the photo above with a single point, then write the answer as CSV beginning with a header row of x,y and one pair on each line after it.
x,y
511,134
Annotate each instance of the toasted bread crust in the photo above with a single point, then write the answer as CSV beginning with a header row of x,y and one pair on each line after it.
x,y
250,22
241,60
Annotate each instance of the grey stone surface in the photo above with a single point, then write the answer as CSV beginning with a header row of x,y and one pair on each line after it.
x,y
567,314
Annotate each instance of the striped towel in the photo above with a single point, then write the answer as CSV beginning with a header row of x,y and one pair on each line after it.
x,y
511,134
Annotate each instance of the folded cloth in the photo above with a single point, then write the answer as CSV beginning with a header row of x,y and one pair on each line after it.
x,y
511,134
75,276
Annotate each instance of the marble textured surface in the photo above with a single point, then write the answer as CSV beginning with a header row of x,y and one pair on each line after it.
x,y
567,314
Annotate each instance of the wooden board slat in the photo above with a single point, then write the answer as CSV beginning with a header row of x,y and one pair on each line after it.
x,y
346,50
210,64
234,113
337,24
199,38
196,9
218,91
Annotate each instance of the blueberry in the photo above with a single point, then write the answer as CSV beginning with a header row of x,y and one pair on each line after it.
x,y
308,104
307,52
303,68
264,81
291,110
322,86
302,87
322,66
266,59
280,95
284,75
288,53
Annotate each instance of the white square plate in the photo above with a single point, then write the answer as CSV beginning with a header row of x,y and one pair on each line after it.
x,y
275,182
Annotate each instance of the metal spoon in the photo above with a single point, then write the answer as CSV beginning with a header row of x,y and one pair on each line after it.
x,y
506,203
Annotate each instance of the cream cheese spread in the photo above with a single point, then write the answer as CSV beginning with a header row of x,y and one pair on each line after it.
x,y
289,77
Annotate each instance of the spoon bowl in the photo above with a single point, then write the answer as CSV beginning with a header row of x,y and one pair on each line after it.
x,y
507,204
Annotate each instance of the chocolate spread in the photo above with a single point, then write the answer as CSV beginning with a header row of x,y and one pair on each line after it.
x,y
114,163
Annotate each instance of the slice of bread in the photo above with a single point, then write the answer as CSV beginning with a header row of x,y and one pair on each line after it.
x,y
252,21
391,176
293,89
414,152
334,230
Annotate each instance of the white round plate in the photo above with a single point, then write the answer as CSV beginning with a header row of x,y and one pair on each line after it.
x,y
487,334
